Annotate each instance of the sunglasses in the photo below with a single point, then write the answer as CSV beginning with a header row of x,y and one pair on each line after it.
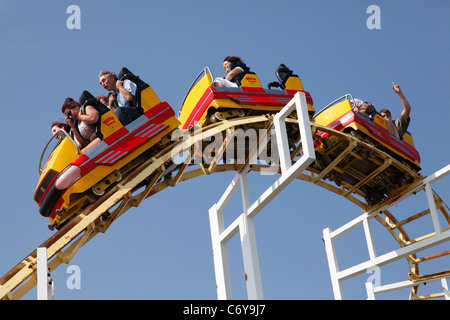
x,y
69,114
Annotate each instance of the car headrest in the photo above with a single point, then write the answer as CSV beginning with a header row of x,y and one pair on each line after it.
x,y
86,98
283,73
126,74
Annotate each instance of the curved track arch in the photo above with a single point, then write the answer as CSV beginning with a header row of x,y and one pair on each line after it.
x,y
158,173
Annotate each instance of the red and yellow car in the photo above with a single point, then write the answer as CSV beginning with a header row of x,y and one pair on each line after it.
x,y
339,116
205,103
354,168
71,180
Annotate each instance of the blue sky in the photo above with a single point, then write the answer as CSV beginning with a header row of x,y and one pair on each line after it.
x,y
162,250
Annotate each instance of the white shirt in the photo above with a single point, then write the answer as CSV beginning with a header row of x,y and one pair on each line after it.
x,y
130,87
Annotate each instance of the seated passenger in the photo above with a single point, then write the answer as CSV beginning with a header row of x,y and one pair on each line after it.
x,y
83,122
363,108
366,108
121,99
398,127
235,69
56,126
104,100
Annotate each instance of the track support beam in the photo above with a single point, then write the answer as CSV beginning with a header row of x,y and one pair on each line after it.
x,y
408,249
244,223
45,286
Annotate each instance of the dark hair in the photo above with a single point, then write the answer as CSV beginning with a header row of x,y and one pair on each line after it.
x,y
385,111
69,103
232,59
61,125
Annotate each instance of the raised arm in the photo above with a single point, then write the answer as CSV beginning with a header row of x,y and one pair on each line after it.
x,y
406,106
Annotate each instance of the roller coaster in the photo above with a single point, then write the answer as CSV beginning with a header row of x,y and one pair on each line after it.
x,y
277,131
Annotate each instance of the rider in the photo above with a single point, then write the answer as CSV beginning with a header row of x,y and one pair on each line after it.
x,y
123,93
398,127
234,68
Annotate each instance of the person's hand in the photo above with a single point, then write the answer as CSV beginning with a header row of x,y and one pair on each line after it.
x,y
119,83
70,122
71,116
396,88
112,98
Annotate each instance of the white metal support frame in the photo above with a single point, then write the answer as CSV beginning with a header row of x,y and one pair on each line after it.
x,y
45,286
244,223
371,290
440,236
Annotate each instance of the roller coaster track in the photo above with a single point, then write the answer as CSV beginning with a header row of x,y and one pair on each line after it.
x,y
152,177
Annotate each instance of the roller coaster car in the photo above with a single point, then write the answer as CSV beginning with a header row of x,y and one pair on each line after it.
x,y
339,116
205,104
71,180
